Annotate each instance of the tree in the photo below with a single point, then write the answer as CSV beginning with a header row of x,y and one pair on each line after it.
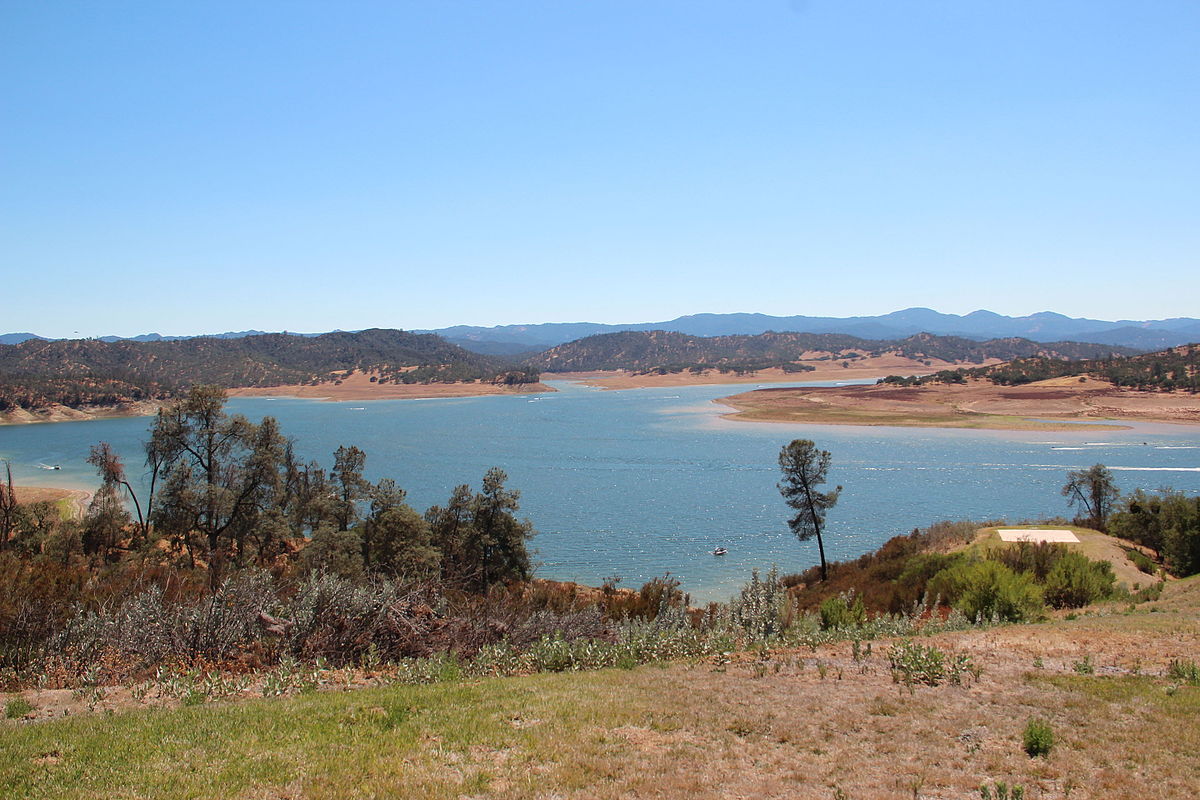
x,y
396,540
8,508
453,533
1140,520
213,480
1181,534
1094,490
105,522
804,468
1167,522
348,464
502,536
480,539
112,474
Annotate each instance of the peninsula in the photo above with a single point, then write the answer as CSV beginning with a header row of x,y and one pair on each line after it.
x,y
1051,404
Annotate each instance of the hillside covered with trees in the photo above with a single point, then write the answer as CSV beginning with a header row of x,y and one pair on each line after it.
x,y
79,372
646,351
1175,369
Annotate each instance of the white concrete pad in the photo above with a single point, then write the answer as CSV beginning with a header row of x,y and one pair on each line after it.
x,y
1037,536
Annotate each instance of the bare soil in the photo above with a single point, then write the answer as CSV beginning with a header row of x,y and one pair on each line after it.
x,y
61,413
75,499
976,404
857,370
360,387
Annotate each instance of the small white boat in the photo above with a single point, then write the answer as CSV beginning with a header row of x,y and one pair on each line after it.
x,y
720,551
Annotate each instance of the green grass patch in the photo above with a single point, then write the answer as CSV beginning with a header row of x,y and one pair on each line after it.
x,y
392,741
1172,700
65,508
17,708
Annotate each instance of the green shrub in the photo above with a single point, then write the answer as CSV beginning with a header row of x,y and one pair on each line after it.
x,y
762,608
1001,791
1076,581
17,708
912,584
986,590
1141,561
1039,738
913,663
1036,557
1150,593
1184,671
842,612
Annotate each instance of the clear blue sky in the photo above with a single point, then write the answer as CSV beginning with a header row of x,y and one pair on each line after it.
x,y
208,166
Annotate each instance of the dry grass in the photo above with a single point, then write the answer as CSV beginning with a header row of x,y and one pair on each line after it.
x,y
783,724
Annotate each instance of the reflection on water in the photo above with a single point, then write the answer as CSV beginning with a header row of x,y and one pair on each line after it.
x,y
641,482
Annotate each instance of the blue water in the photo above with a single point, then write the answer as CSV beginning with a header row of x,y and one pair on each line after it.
x,y
640,482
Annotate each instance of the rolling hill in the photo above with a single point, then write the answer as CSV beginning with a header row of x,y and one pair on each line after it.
x,y
77,372
639,351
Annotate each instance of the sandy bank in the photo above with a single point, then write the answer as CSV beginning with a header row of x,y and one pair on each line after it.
x,y
61,413
861,369
360,387
977,404
78,499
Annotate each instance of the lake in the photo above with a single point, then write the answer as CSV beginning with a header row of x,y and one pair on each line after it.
x,y
641,482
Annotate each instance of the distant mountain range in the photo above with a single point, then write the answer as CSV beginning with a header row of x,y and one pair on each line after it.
x,y
1045,326
17,338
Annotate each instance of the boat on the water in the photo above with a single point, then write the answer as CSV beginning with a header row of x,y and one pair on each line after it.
x,y
720,551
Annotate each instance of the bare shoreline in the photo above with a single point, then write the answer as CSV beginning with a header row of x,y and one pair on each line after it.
x,y
61,413
78,499
1057,404
349,389
360,387
860,370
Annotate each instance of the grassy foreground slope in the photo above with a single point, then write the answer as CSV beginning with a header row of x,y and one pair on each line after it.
x,y
819,723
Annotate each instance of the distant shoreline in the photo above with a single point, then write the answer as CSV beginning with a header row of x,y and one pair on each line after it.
x,y
1056,404
359,386
60,413
356,387
858,370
